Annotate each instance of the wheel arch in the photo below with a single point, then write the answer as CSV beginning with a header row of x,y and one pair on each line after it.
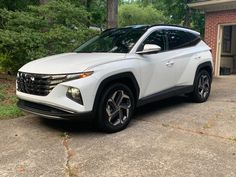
x,y
126,78
205,66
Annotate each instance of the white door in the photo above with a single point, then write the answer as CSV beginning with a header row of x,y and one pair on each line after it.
x,y
182,51
164,69
157,73
157,69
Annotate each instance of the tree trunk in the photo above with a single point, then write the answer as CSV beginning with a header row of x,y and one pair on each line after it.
x,y
112,13
41,2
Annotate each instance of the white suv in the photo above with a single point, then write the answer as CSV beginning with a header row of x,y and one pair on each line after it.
x,y
110,75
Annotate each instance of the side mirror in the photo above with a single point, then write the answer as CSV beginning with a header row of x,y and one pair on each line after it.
x,y
149,48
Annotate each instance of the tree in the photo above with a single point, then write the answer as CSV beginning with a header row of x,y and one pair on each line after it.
x,y
17,4
132,14
96,9
41,31
177,10
43,1
112,13
181,14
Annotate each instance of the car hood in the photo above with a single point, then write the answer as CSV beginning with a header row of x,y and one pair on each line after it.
x,y
70,62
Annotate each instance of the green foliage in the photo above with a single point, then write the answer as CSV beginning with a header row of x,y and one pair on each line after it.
x,y
17,4
158,4
2,96
96,9
8,110
31,32
56,27
98,13
181,14
11,111
198,21
3,60
176,10
131,14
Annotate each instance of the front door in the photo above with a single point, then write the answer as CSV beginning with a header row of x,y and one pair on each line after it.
x,y
158,68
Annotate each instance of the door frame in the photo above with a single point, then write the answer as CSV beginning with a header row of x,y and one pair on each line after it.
x,y
219,42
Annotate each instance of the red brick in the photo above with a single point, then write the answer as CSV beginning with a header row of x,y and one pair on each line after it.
x,y
213,19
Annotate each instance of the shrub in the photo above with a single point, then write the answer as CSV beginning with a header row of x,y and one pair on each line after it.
x,y
49,29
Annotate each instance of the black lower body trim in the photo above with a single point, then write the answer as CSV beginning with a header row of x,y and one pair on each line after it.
x,y
175,91
51,112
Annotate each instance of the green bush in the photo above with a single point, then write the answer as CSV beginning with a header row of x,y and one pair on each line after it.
x,y
49,29
132,14
3,60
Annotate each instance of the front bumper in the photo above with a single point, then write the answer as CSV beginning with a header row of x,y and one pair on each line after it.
x,y
57,97
51,112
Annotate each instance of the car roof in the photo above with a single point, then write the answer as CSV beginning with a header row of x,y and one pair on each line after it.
x,y
178,27
154,25
158,26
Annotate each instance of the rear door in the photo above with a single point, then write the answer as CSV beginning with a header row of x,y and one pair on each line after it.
x,y
180,51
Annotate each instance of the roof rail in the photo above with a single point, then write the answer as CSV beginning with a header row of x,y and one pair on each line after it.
x,y
150,26
179,26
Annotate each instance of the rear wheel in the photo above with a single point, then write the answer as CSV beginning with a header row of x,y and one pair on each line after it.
x,y
202,87
116,108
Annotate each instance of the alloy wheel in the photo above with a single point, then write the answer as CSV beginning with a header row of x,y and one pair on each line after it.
x,y
203,86
118,108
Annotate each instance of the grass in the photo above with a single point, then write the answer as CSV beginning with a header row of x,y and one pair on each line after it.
x,y
9,112
8,99
165,125
232,138
206,126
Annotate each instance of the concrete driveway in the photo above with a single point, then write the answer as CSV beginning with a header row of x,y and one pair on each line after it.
x,y
169,138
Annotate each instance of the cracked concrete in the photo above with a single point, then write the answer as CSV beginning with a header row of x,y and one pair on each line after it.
x,y
69,152
169,138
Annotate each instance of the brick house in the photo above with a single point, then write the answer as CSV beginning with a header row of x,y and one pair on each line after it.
x,y
220,32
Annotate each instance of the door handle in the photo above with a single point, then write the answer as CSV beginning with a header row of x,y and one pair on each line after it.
x,y
198,58
170,63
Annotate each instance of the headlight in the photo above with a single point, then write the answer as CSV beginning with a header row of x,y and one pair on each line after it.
x,y
78,76
75,95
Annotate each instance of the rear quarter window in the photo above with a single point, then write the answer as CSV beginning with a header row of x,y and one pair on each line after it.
x,y
180,39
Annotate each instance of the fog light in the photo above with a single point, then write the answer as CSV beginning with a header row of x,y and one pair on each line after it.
x,y
75,95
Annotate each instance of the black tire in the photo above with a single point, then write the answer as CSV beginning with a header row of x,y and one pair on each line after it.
x,y
112,124
202,87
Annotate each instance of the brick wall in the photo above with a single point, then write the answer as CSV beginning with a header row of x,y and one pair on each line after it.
x,y
213,19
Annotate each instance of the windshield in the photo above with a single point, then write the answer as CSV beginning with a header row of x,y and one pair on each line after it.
x,y
113,41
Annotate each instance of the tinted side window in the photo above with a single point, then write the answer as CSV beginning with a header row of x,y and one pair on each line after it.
x,y
179,39
193,39
156,38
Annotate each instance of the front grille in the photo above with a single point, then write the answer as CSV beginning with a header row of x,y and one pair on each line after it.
x,y
38,84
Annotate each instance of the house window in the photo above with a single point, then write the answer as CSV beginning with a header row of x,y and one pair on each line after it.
x,y
227,39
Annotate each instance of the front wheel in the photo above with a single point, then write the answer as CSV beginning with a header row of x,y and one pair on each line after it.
x,y
202,87
116,108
